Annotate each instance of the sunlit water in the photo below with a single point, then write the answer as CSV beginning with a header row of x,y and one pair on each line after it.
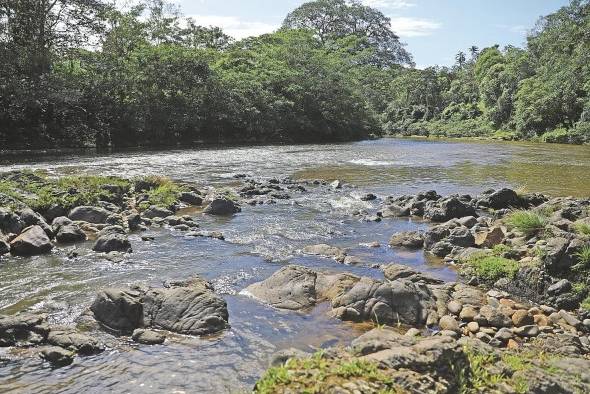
x,y
259,241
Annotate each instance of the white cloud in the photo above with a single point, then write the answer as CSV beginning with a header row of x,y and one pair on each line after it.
x,y
235,26
389,3
405,26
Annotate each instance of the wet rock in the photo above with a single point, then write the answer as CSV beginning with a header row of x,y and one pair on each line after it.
x,y
10,223
69,233
395,211
394,272
23,329
31,242
148,337
409,239
4,247
369,197
133,221
501,199
32,218
71,340
337,184
222,207
191,198
435,234
57,356
89,214
450,208
441,249
327,251
112,239
207,234
185,307
157,212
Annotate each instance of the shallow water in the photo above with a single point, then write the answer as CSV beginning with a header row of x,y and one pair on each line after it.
x,y
259,241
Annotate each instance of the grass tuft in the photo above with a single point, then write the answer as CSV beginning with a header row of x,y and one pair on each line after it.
x,y
582,228
490,267
527,222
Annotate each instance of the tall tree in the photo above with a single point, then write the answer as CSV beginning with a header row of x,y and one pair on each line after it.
x,y
461,58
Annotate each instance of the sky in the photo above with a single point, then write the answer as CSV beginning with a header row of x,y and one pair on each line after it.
x,y
434,30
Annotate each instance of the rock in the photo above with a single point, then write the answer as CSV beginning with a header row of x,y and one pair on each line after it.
x,y
454,307
281,357
89,214
501,199
494,317
188,307
222,207
148,337
409,239
555,259
495,236
398,271
504,334
57,356
441,249
191,198
468,313
156,212
369,197
69,233
23,329
522,318
570,319
541,320
413,332
32,241
32,218
450,208
134,221
80,343
473,327
10,223
527,331
512,344
468,221
461,236
327,251
112,242
4,247
395,211
560,287
336,184
434,235
449,323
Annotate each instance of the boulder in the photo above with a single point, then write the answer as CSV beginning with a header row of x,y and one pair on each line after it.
x,y
157,212
71,340
222,207
461,236
450,208
4,247
185,307
191,198
23,329
31,242
32,218
327,251
57,356
70,233
112,242
398,271
492,237
95,215
148,337
501,199
408,239
10,223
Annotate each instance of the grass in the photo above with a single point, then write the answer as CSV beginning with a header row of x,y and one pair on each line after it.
x,y
585,305
583,257
582,228
317,374
527,222
491,267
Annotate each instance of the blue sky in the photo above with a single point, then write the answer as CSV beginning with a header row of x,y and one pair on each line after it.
x,y
434,30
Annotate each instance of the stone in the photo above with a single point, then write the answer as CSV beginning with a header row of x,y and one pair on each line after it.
x,y
32,218
501,199
4,247
413,332
468,313
71,340
191,198
222,207
494,317
527,331
454,307
95,215
409,239
468,221
69,233
541,320
473,327
522,318
450,208
504,334
337,184
494,236
398,271
368,197
570,319
148,337
461,236
512,344
156,212
185,307
23,329
281,357
449,323
10,223
327,251
57,356
32,241
560,287
112,242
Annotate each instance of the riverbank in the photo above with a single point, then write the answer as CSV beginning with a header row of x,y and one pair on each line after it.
x,y
503,243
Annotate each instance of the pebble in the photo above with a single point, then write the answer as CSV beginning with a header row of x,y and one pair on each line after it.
x,y
454,307
473,327
449,323
413,332
468,313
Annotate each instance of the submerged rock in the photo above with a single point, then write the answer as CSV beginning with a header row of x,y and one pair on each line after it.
x,y
190,308
57,356
148,337
32,241
409,239
326,251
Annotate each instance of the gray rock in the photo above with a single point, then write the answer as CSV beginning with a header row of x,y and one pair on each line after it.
x,y
23,329
449,323
281,357
4,247
57,356
32,218
454,307
95,215
32,241
188,307
494,318
398,271
501,199
70,233
112,242
409,239
461,236
222,207
80,343
450,208
560,287
148,337
504,334
327,251
157,212
191,198
527,331
10,223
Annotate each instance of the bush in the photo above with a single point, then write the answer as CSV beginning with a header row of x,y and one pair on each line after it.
x,y
491,268
557,136
527,222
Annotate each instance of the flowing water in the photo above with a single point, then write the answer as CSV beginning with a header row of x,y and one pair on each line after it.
x,y
259,241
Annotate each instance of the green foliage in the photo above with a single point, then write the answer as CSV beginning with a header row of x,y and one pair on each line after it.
x,y
164,195
582,228
583,257
490,267
585,304
557,136
527,222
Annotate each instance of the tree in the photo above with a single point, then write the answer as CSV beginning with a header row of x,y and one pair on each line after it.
x,y
474,51
334,19
461,58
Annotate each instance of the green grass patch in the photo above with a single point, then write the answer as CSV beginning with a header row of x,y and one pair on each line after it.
x,y
583,257
527,222
582,228
318,374
490,267
585,305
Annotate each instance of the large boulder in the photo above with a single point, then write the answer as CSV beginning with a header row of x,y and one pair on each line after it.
x,y
31,242
112,239
189,307
394,272
32,218
23,329
95,215
157,212
67,231
222,207
450,208
408,239
10,223
500,199
191,198
295,287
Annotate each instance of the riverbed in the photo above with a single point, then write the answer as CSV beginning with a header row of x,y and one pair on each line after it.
x,y
258,241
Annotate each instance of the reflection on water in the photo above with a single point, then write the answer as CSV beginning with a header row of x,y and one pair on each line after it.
x,y
259,241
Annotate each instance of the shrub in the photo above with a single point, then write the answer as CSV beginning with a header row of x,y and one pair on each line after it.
x,y
527,222
491,268
557,136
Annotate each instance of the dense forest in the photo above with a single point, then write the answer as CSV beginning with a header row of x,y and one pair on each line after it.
x,y
84,73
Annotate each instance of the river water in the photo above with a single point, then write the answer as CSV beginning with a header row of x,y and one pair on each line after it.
x,y
259,241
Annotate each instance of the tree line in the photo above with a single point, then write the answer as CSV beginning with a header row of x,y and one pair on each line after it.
x,y
84,73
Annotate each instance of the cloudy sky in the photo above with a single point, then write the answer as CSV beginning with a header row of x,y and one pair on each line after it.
x,y
433,29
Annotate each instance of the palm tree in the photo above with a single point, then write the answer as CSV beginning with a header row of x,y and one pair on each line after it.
x,y
474,52
461,58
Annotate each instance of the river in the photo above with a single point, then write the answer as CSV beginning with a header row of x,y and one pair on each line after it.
x,y
258,241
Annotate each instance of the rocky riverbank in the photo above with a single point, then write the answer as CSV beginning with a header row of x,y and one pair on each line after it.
x,y
517,319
